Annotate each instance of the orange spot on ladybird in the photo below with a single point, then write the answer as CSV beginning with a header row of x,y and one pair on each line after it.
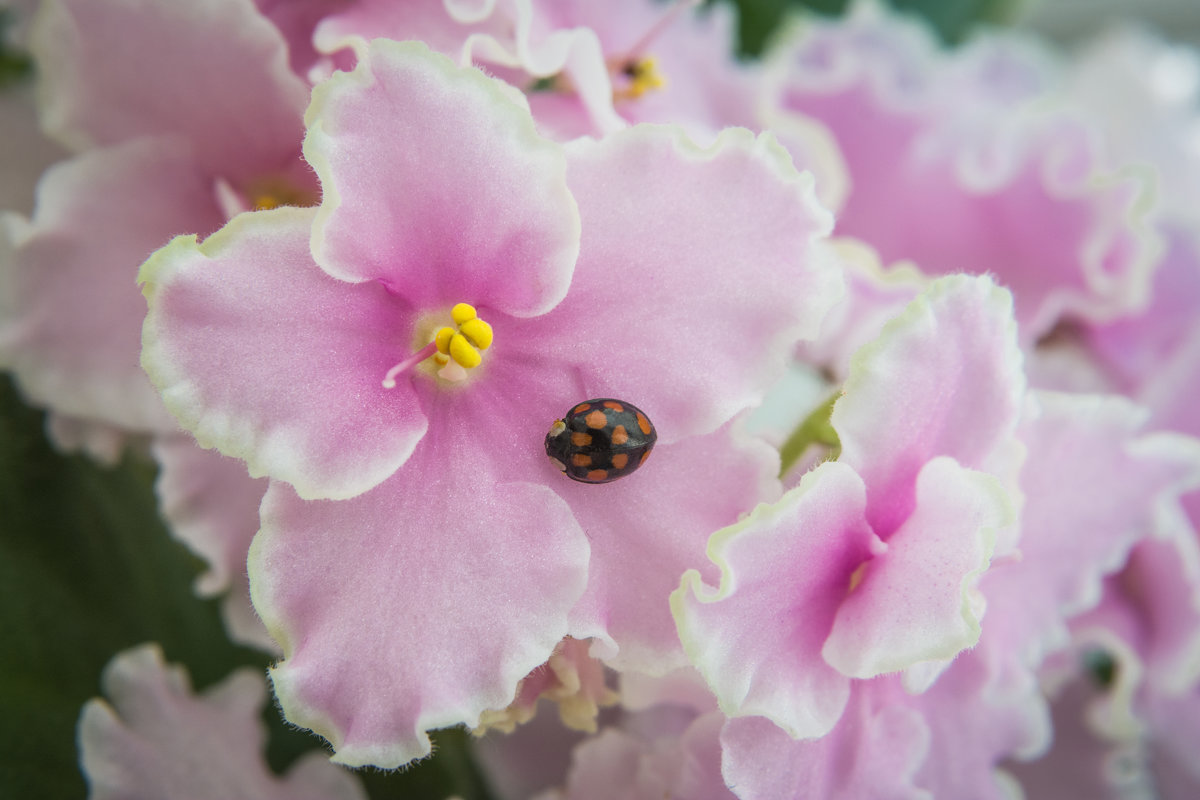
x,y
614,405
643,423
596,419
645,455
597,475
581,459
581,439
582,407
620,435
620,460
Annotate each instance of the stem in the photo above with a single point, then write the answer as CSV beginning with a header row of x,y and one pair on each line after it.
x,y
815,429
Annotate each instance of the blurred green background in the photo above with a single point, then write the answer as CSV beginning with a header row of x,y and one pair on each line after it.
x,y
87,569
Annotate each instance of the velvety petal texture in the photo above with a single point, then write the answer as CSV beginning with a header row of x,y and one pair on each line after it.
x,y
1094,485
915,601
645,533
700,239
943,379
436,183
69,315
993,183
241,113
874,752
267,358
153,738
757,638
424,602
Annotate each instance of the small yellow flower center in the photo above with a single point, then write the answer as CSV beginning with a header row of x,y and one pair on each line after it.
x,y
273,191
463,342
454,349
642,76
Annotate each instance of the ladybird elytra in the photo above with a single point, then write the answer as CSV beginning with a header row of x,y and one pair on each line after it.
x,y
601,440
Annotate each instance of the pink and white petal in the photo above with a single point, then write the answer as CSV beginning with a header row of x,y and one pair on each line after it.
x,y
70,315
715,245
102,443
211,505
297,21
943,379
918,601
470,205
784,572
242,112
647,531
431,21
617,763
873,297
157,739
980,716
1017,192
265,357
874,751
26,154
1094,486
424,602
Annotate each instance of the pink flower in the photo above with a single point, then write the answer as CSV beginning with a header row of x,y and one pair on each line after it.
x,y
458,558
154,738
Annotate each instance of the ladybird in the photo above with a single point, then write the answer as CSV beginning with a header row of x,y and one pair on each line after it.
x,y
600,440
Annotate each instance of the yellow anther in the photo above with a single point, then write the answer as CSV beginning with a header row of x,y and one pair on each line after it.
x,y
443,338
643,77
462,312
462,352
478,332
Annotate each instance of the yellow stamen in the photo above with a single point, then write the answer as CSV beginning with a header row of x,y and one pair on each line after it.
x,y
464,342
643,77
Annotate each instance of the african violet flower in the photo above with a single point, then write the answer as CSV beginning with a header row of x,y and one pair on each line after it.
x,y
456,559
872,559
164,147
154,738
1005,187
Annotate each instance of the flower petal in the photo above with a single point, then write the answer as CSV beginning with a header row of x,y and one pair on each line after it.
x,y
784,572
157,739
211,505
874,751
470,205
263,356
1094,486
422,603
944,378
116,69
647,530
69,312
702,240
915,601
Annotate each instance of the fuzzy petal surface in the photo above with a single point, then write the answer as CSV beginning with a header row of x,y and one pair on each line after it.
x,y
1094,485
943,379
154,738
211,505
757,637
914,602
422,603
989,181
436,183
648,530
111,70
702,240
874,751
265,357
70,316
686,766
